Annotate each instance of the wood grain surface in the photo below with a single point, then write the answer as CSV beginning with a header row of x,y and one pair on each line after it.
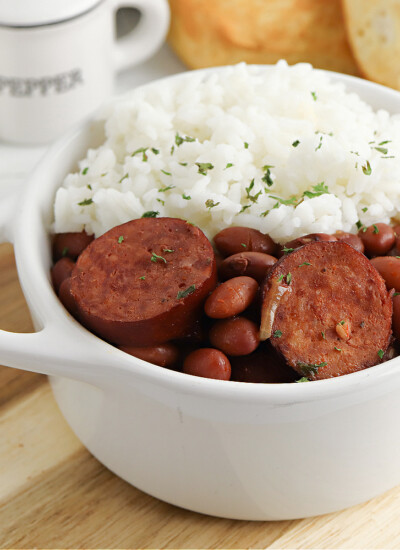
x,y
54,494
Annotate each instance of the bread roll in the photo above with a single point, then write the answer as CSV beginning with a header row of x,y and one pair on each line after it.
x,y
206,33
374,32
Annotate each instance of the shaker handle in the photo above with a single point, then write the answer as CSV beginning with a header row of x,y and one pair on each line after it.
x,y
147,37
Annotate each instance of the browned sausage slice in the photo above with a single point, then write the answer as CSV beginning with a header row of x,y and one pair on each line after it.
x,y
327,310
144,282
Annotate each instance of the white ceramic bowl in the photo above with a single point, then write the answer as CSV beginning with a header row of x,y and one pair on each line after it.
x,y
246,451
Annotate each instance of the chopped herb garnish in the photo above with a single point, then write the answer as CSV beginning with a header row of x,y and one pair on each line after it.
x,y
120,239
359,225
211,204
382,150
150,214
155,151
102,175
337,349
314,96
385,142
246,145
85,202
179,139
183,293
309,368
155,257
317,190
245,207
183,163
289,278
288,202
85,171
367,168
204,167
277,334
265,213
168,250
141,150
341,322
303,379
142,278
123,178
267,176
64,251
381,353
280,278
296,143
160,201
167,188
376,230
396,294
186,197
323,335
362,324
244,245
89,186
287,250
319,144
304,263
229,165
166,173
365,209
172,150
253,198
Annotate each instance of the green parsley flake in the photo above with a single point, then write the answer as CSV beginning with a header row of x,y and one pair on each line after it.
x,y
64,251
277,334
303,379
168,250
396,294
289,278
89,186
211,204
183,163
381,353
317,190
155,151
304,263
323,335
365,209
183,293
186,197
314,96
123,178
85,202
246,145
150,214
253,198
179,139
155,257
85,171
376,230
142,278
287,250
385,142
204,167
141,150
229,165
319,144
337,349
244,208
166,173
280,278
367,168
267,176
167,188
296,143
160,201
382,150
309,368
244,245
288,202
120,239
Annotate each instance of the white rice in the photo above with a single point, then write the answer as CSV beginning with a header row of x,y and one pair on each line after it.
x,y
309,131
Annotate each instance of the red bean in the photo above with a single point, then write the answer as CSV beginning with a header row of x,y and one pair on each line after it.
x,y
396,316
389,268
163,355
60,271
310,238
237,336
231,297
378,239
351,239
70,244
233,240
251,264
208,363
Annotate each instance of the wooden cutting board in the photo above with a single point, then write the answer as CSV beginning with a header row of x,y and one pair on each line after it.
x,y
54,494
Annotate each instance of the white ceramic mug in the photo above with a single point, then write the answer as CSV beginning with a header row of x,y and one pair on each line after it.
x,y
58,60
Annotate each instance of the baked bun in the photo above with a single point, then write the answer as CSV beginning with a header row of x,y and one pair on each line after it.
x,y
373,28
206,33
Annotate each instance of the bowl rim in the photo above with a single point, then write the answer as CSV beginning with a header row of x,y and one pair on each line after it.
x,y
45,305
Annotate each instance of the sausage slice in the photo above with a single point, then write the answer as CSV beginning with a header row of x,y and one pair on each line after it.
x,y
144,282
326,310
